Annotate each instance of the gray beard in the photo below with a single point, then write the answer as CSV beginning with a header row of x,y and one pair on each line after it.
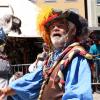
x,y
59,42
62,42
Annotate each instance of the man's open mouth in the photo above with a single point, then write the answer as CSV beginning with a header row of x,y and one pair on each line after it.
x,y
57,34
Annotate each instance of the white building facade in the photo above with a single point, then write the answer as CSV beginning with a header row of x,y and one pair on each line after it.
x,y
93,9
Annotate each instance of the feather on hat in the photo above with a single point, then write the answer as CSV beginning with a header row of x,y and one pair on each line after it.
x,y
48,14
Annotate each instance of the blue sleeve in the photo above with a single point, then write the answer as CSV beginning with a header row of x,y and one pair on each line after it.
x,y
78,80
28,86
92,49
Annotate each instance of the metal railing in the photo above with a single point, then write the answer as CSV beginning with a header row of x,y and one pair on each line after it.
x,y
24,68
20,68
96,73
97,69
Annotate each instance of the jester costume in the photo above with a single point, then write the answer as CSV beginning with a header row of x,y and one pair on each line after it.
x,y
65,73
69,68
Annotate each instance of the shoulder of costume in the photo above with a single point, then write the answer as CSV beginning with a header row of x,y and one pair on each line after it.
x,y
80,50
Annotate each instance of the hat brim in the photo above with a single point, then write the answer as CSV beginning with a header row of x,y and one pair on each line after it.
x,y
75,18
53,20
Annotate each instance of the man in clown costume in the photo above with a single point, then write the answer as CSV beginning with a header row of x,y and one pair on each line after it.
x,y
64,73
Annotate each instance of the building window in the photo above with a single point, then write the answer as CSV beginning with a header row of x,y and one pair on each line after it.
x,y
98,1
99,21
50,0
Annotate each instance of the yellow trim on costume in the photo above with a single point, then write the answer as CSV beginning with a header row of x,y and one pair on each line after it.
x,y
87,55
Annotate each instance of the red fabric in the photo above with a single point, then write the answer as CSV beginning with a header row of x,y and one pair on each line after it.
x,y
4,58
62,81
50,18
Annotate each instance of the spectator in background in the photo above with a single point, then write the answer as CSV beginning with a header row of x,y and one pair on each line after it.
x,y
15,76
40,58
4,63
95,50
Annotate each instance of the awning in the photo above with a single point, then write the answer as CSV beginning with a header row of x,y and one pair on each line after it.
x,y
27,12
